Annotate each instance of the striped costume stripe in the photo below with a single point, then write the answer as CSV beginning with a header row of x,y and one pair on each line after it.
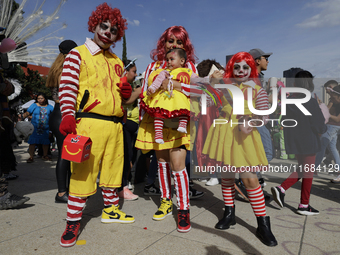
x,y
257,202
228,191
75,206
110,196
181,182
69,83
164,179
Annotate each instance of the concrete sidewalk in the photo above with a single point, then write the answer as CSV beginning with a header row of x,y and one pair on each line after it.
x,y
36,227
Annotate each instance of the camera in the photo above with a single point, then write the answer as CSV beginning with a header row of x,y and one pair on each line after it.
x,y
137,83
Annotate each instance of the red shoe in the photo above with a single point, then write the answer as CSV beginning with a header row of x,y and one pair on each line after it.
x,y
70,234
183,221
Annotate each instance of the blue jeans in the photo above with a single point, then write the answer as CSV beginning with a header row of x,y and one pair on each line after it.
x,y
328,140
266,141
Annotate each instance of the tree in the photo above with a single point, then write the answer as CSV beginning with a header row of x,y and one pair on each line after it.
x,y
31,84
124,57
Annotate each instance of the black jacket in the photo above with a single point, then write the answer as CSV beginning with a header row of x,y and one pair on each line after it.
x,y
304,137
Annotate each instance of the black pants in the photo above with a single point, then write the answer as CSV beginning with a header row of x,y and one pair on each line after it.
x,y
129,131
63,171
7,158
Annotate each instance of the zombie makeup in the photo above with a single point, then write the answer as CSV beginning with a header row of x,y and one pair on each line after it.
x,y
241,71
173,43
105,34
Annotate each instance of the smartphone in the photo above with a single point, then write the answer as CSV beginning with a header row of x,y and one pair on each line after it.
x,y
213,69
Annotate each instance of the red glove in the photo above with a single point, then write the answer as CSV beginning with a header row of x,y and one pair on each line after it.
x,y
68,125
125,90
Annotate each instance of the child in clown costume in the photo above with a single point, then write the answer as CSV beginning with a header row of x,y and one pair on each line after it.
x,y
238,146
172,103
93,67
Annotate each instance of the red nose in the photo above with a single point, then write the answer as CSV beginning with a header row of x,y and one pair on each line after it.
x,y
107,34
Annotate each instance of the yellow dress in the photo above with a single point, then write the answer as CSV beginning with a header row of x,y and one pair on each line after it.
x,y
172,138
226,145
161,104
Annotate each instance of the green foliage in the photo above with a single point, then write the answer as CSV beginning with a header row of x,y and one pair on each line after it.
x,y
32,84
124,56
15,6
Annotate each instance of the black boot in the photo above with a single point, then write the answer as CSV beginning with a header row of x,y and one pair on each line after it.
x,y
228,218
263,231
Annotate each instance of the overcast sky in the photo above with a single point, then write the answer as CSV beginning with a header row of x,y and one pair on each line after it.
x,y
300,33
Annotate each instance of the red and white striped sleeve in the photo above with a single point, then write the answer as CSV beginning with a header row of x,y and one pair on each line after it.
x,y
69,83
146,76
261,102
148,70
191,89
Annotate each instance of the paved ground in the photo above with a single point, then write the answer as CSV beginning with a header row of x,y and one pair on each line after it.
x,y
37,226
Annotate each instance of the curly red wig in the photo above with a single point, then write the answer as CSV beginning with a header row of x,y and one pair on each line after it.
x,y
180,33
238,57
103,13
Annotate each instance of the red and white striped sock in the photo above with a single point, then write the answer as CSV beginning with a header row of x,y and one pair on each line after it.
x,y
75,206
182,126
257,202
164,178
228,191
110,197
158,124
181,182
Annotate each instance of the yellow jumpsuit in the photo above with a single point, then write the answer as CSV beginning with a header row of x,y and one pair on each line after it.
x,y
99,74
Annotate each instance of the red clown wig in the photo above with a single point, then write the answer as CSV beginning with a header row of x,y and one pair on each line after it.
x,y
104,13
180,33
238,57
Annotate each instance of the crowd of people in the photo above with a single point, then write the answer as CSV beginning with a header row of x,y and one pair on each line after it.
x,y
97,95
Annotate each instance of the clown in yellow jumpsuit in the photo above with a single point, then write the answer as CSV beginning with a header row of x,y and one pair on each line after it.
x,y
94,68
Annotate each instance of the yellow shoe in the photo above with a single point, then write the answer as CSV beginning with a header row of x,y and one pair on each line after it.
x,y
112,214
164,210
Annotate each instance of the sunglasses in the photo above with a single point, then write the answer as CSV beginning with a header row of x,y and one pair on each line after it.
x,y
260,58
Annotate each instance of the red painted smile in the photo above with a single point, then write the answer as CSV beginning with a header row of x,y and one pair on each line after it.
x,y
105,39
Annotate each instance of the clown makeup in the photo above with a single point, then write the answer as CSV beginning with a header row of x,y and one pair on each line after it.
x,y
105,34
173,43
174,61
241,71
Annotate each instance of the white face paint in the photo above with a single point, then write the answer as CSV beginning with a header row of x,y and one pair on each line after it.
x,y
241,71
105,34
